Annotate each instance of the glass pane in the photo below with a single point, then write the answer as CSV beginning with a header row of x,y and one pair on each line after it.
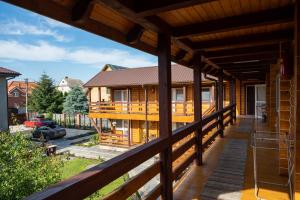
x,y
124,95
179,95
205,95
119,123
261,93
117,95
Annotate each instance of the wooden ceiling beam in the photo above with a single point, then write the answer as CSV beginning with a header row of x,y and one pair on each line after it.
x,y
153,23
246,65
145,8
135,34
246,58
80,10
242,51
259,69
180,55
266,17
246,40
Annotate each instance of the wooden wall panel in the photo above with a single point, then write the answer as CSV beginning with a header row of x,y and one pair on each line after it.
x,y
136,132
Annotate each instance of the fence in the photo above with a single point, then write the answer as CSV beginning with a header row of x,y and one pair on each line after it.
x,y
80,121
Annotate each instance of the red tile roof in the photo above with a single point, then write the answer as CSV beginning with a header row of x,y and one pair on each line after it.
x,y
138,76
8,72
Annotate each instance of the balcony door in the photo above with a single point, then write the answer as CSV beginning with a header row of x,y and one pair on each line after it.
x,y
260,100
121,99
178,99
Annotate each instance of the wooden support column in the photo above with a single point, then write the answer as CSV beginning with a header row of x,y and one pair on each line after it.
x,y
165,114
297,98
216,95
184,100
220,102
146,114
100,124
231,98
198,106
234,99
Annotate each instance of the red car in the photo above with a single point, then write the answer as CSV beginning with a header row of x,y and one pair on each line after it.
x,y
38,122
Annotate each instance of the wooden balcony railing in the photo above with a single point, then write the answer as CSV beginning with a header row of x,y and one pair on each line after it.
x,y
182,141
152,108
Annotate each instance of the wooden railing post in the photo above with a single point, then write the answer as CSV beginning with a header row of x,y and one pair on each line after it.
x,y
231,100
146,114
198,106
165,117
220,102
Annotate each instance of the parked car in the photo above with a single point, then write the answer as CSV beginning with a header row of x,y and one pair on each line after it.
x,y
47,133
39,122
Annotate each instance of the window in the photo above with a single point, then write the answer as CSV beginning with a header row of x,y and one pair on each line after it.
x,y
176,125
16,93
177,94
119,124
120,95
205,95
107,90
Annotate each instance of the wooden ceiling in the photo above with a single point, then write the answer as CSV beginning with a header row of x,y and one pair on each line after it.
x,y
241,36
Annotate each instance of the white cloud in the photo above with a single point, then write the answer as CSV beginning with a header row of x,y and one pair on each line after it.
x,y
43,51
15,27
53,23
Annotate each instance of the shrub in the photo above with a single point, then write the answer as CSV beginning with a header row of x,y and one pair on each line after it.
x,y
24,169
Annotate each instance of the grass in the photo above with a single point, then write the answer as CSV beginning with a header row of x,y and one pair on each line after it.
x,y
77,165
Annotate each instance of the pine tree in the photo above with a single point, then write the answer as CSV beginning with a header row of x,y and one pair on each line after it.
x,y
76,102
45,98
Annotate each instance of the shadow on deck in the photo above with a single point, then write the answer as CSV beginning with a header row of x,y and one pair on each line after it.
x,y
197,182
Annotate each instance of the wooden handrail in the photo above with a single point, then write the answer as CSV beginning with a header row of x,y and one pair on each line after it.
x,y
102,174
125,191
99,176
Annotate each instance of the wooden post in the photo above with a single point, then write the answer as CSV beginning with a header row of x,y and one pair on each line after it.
x,y
216,95
198,105
184,101
146,115
100,125
234,99
297,99
220,102
129,133
231,99
128,100
165,115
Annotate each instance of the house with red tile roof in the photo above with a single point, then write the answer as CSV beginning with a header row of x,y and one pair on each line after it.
x,y
17,95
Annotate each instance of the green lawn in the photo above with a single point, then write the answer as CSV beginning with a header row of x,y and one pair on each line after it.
x,y
77,165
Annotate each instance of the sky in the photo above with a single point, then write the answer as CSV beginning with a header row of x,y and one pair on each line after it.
x,y
33,44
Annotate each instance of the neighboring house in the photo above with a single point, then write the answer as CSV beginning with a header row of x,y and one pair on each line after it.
x,y
105,91
17,95
66,84
132,108
5,74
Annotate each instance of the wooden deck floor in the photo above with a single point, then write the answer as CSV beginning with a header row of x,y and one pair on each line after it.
x,y
193,182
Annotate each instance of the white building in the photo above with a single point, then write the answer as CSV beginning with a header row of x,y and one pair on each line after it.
x,y
66,84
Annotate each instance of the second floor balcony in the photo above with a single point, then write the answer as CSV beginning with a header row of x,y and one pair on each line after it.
x,y
181,111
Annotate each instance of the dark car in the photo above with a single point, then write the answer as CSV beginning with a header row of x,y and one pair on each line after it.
x,y
49,132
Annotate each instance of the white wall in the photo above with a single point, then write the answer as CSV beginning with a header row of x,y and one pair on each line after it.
x,y
3,104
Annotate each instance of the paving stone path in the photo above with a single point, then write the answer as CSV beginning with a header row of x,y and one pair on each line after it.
x,y
227,180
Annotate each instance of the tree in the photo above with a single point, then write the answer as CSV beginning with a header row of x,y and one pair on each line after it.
x,y
23,167
76,102
45,98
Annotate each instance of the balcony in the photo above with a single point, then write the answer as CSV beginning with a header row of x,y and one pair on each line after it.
x,y
181,111
184,147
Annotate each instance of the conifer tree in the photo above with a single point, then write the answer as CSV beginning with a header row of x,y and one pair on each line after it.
x,y
45,98
76,102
